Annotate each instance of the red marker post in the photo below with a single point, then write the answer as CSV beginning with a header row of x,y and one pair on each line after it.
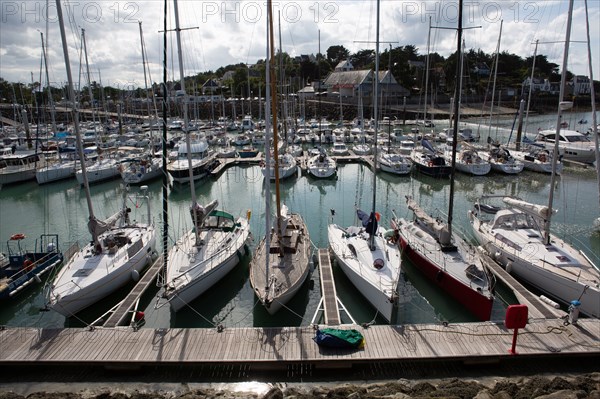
x,y
516,317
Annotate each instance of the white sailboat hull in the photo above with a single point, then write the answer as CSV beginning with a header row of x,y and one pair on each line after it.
x,y
55,172
100,171
88,277
322,167
377,285
198,269
557,269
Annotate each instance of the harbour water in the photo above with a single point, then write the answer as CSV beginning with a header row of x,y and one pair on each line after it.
x,y
61,208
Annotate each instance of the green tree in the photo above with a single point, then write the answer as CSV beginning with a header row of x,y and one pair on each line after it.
x,y
336,54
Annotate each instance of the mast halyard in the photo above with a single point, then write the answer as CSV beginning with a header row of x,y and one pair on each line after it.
x,y
376,112
50,100
455,112
562,105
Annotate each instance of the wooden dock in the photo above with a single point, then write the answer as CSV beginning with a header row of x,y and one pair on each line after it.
x,y
119,316
277,348
536,308
330,302
225,163
351,158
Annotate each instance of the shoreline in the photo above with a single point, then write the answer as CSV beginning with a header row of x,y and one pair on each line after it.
x,y
552,385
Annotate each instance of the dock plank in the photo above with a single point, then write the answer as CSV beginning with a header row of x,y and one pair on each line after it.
x,y
293,344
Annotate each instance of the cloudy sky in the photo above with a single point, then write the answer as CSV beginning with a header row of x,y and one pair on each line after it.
x,y
228,32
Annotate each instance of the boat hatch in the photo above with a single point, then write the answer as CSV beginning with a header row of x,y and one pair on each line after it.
x,y
378,264
82,273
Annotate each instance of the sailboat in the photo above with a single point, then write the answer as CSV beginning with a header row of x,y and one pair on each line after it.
x,y
119,250
518,236
368,258
148,166
281,262
210,250
441,255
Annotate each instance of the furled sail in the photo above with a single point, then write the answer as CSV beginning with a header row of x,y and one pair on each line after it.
x,y
202,212
540,211
439,229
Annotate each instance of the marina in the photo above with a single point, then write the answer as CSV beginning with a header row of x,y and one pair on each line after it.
x,y
413,267
315,198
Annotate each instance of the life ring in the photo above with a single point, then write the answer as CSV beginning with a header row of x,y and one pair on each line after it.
x,y
18,236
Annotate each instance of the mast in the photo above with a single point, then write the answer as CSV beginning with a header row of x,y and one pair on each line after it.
x,y
165,175
283,95
593,95
144,67
89,79
267,159
271,63
455,112
75,109
530,87
185,118
50,100
426,72
562,105
376,112
494,84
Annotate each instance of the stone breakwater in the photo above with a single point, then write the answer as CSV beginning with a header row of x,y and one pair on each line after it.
x,y
546,387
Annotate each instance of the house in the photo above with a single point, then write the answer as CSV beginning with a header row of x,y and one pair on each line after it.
x,y
307,91
416,64
481,69
580,85
538,85
349,83
228,75
360,83
344,66
210,86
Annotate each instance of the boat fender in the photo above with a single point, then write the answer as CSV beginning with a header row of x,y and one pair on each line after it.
x,y
135,275
549,301
439,276
37,279
496,255
508,267
27,264
139,316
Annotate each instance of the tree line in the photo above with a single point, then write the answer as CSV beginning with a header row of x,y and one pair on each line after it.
x,y
405,63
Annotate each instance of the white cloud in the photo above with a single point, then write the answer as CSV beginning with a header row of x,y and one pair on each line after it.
x,y
231,32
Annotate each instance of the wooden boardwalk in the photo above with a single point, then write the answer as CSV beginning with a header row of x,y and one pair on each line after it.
x,y
119,316
274,348
225,163
328,292
536,308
